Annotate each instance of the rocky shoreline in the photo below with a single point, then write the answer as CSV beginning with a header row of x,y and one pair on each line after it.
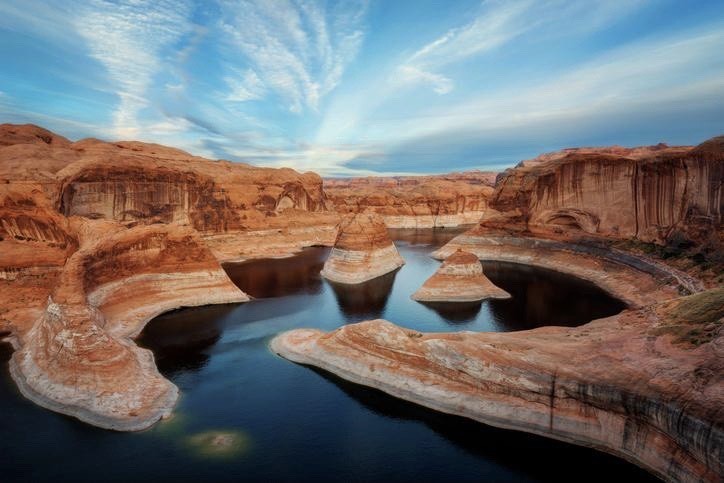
x,y
605,384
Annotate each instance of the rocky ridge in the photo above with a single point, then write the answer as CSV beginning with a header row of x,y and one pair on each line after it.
x,y
642,385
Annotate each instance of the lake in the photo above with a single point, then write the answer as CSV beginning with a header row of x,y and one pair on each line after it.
x,y
293,423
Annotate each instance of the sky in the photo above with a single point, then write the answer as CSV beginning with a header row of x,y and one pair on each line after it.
x,y
358,87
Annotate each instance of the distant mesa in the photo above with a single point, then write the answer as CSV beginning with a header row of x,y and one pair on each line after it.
x,y
460,278
362,251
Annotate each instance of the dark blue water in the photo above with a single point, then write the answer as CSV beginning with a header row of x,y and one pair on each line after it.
x,y
298,424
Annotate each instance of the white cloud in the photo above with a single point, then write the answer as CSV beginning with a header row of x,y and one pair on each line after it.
x,y
128,39
410,75
244,86
653,72
497,24
298,49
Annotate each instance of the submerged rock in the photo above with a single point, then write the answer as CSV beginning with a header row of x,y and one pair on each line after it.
x,y
460,278
362,251
220,444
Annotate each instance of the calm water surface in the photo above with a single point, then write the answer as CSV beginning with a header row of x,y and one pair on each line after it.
x,y
301,424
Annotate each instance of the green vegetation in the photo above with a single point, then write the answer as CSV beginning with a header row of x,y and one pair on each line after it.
x,y
696,319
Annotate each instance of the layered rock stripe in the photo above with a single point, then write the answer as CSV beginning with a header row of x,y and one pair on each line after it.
x,y
644,385
460,278
362,251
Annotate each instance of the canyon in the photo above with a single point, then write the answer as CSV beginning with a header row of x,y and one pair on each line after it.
x,y
98,238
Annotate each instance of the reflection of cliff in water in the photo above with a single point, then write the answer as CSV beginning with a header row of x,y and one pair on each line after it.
x,y
455,312
180,340
364,300
277,277
544,459
434,237
545,297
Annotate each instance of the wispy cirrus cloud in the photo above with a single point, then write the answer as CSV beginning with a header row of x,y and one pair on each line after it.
x,y
496,24
295,49
128,39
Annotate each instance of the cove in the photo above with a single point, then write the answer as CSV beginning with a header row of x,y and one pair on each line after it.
x,y
300,424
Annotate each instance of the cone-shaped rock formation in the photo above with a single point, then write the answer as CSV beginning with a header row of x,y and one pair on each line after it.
x,y
459,279
362,251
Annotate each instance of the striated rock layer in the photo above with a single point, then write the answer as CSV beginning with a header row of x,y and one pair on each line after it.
x,y
652,194
460,278
644,385
434,201
637,280
78,359
362,251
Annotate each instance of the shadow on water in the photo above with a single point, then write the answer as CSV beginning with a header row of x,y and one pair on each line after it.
x,y
179,341
364,300
455,312
277,277
545,297
433,237
538,457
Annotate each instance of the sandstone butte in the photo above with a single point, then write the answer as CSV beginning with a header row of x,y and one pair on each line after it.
x,y
362,251
97,238
460,278
415,201
645,225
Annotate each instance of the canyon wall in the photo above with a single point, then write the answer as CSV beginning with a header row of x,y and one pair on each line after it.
x,y
651,194
415,201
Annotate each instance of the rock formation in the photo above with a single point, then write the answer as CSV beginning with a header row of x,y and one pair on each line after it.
x,y
460,278
362,251
446,200
644,385
637,280
78,358
650,194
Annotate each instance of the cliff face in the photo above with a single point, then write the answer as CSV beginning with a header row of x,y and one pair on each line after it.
x,y
362,251
642,385
645,193
149,183
415,201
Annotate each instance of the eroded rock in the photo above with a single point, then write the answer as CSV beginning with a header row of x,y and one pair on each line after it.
x,y
362,251
620,384
460,278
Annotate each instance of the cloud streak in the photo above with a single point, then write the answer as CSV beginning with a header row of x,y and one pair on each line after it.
x,y
298,50
128,39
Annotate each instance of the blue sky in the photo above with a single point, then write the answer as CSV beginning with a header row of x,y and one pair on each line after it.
x,y
365,87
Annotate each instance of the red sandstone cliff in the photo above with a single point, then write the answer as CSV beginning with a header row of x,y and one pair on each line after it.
x,y
650,194
415,201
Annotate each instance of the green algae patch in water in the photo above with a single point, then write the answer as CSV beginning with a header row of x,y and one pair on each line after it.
x,y
172,425
219,444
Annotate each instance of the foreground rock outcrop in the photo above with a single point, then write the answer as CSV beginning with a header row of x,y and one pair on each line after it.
x,y
362,251
644,385
434,201
78,358
460,278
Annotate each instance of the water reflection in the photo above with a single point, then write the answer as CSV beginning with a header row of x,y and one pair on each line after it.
x,y
365,300
180,340
435,238
455,312
545,297
278,277
543,456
